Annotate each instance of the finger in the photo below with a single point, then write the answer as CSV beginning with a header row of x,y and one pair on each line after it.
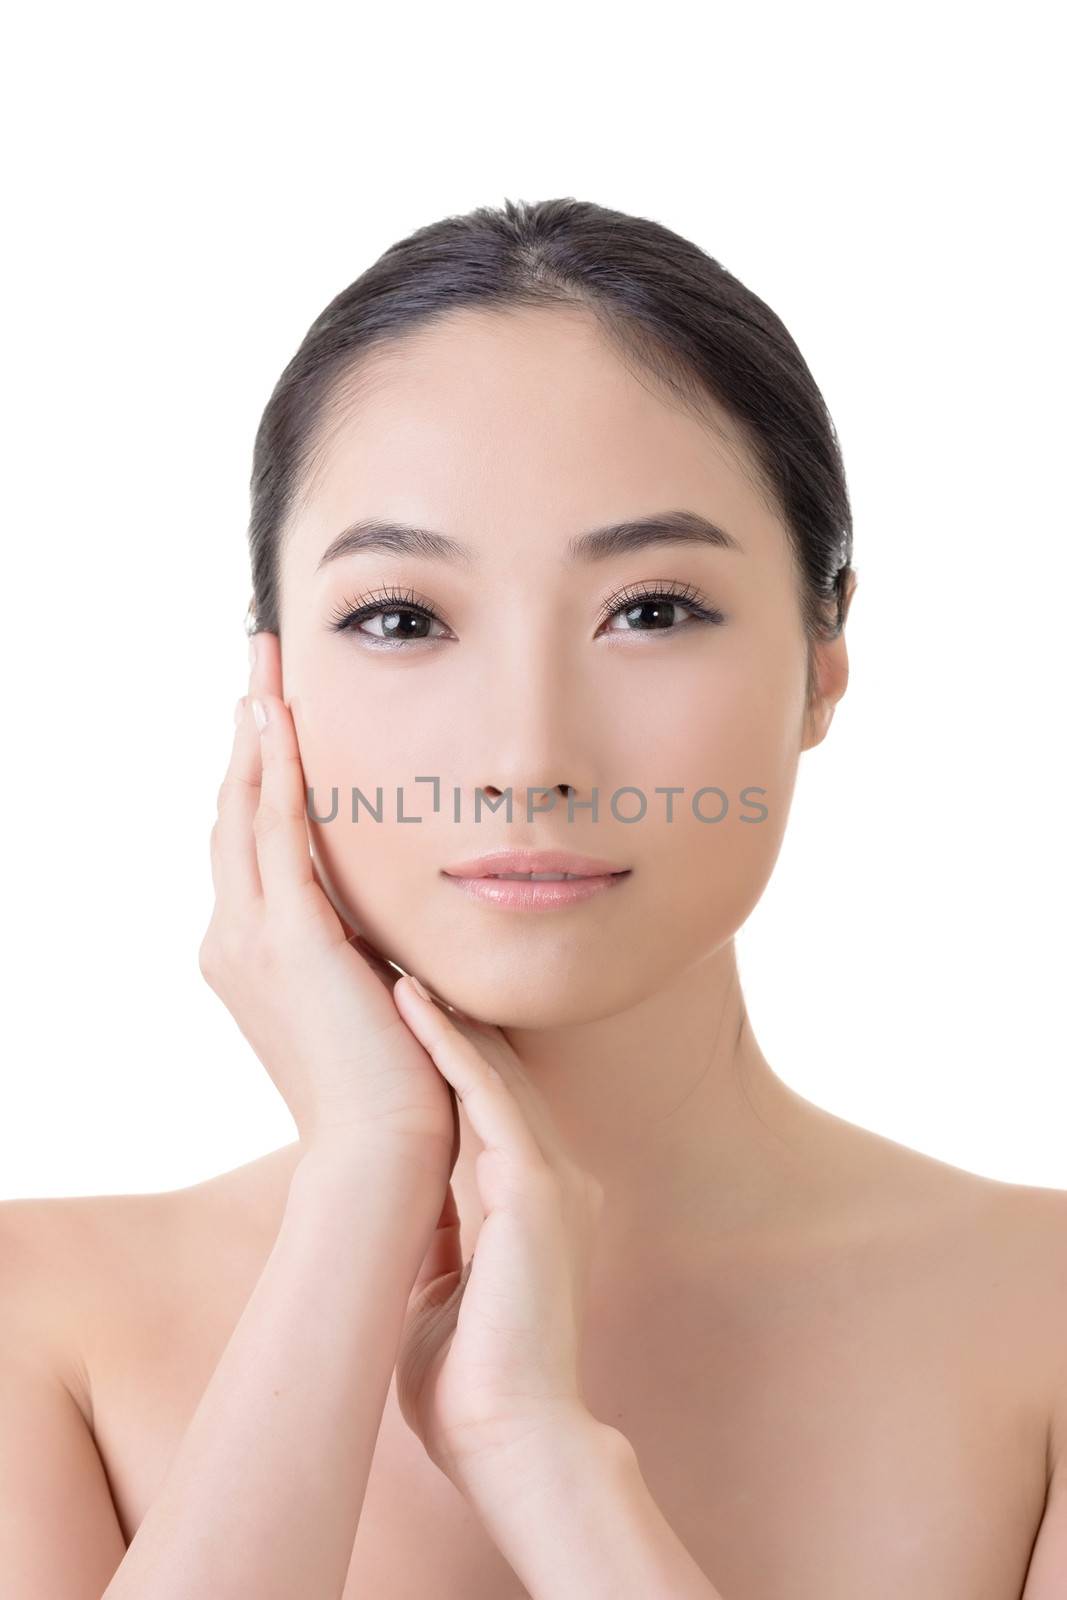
x,y
493,1111
532,1103
444,1253
458,1017
384,968
349,931
491,1042
282,847
234,865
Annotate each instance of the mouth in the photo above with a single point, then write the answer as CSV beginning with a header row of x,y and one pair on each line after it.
x,y
544,866
535,880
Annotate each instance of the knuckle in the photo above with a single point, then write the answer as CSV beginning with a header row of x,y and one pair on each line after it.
x,y
228,947
208,959
233,790
267,820
288,763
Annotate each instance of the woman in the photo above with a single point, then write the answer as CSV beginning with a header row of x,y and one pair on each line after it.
x,y
561,1290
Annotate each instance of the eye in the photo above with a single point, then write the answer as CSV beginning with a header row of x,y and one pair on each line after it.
x,y
654,610
403,618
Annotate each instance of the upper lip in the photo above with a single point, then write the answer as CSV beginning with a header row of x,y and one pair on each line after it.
x,y
533,861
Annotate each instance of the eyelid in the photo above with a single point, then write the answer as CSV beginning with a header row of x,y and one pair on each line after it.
x,y
382,600
684,594
348,614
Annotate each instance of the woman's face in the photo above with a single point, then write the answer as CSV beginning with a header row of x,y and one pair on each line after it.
x,y
514,433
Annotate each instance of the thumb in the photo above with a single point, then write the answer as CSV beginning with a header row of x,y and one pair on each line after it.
x,y
432,1310
442,1258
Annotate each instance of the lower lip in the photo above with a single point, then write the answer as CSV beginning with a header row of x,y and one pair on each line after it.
x,y
520,894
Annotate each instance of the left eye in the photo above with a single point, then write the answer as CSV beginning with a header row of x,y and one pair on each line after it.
x,y
655,611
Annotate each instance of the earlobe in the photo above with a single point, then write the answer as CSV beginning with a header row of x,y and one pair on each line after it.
x,y
817,722
831,681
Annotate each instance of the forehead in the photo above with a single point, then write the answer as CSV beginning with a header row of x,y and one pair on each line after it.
x,y
527,421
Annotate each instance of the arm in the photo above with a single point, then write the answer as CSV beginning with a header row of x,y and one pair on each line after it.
x,y
1046,1576
59,1534
573,1516
264,1494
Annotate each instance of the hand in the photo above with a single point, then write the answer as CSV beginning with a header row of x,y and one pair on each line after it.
x,y
319,1014
489,1353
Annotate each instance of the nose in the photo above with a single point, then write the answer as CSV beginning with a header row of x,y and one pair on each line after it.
x,y
536,735
534,798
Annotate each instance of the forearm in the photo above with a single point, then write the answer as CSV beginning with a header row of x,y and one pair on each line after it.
x,y
264,1493
575,1519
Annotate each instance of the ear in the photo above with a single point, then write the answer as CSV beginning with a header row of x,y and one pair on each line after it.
x,y
830,671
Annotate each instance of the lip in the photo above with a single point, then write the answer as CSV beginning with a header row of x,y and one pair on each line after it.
x,y
535,861
592,877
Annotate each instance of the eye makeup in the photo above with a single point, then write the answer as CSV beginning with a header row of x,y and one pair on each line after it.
x,y
404,609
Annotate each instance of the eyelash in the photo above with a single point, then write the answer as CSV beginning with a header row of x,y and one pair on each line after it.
x,y
351,613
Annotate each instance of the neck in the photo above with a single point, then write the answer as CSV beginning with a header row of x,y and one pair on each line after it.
x,y
672,1106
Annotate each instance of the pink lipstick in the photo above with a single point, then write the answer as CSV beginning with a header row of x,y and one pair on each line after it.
x,y
535,880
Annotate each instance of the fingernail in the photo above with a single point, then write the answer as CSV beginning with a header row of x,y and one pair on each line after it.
x,y
261,714
420,987
252,652
238,710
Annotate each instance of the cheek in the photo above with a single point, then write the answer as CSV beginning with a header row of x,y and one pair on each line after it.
x,y
365,740
732,728
730,742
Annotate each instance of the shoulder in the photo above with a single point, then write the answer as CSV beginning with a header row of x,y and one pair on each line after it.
x,y
1028,1227
79,1272
1010,1237
900,1192
992,1248
60,1260
1000,1250
1028,1240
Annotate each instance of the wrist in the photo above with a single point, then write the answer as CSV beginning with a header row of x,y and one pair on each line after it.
x,y
394,1161
608,1538
540,1456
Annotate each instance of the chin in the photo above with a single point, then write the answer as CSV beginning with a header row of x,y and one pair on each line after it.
x,y
541,998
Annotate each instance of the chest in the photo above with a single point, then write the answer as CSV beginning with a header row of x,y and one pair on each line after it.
x,y
800,1436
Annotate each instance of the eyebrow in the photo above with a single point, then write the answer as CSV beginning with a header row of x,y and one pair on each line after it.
x,y
599,544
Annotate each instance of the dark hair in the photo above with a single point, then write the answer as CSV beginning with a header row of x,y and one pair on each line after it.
x,y
662,302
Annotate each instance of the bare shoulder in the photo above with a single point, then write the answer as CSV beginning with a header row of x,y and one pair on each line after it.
x,y
77,1272
1026,1250
955,1230
50,1251
883,1181
996,1251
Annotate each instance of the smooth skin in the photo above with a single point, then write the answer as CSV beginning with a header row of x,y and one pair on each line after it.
x,y
840,1363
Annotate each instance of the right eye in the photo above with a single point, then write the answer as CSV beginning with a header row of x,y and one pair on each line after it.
x,y
403,619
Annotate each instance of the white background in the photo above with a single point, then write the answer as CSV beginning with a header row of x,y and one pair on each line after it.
x,y
185,191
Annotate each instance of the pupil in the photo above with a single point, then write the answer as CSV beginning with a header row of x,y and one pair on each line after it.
x,y
662,610
390,618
